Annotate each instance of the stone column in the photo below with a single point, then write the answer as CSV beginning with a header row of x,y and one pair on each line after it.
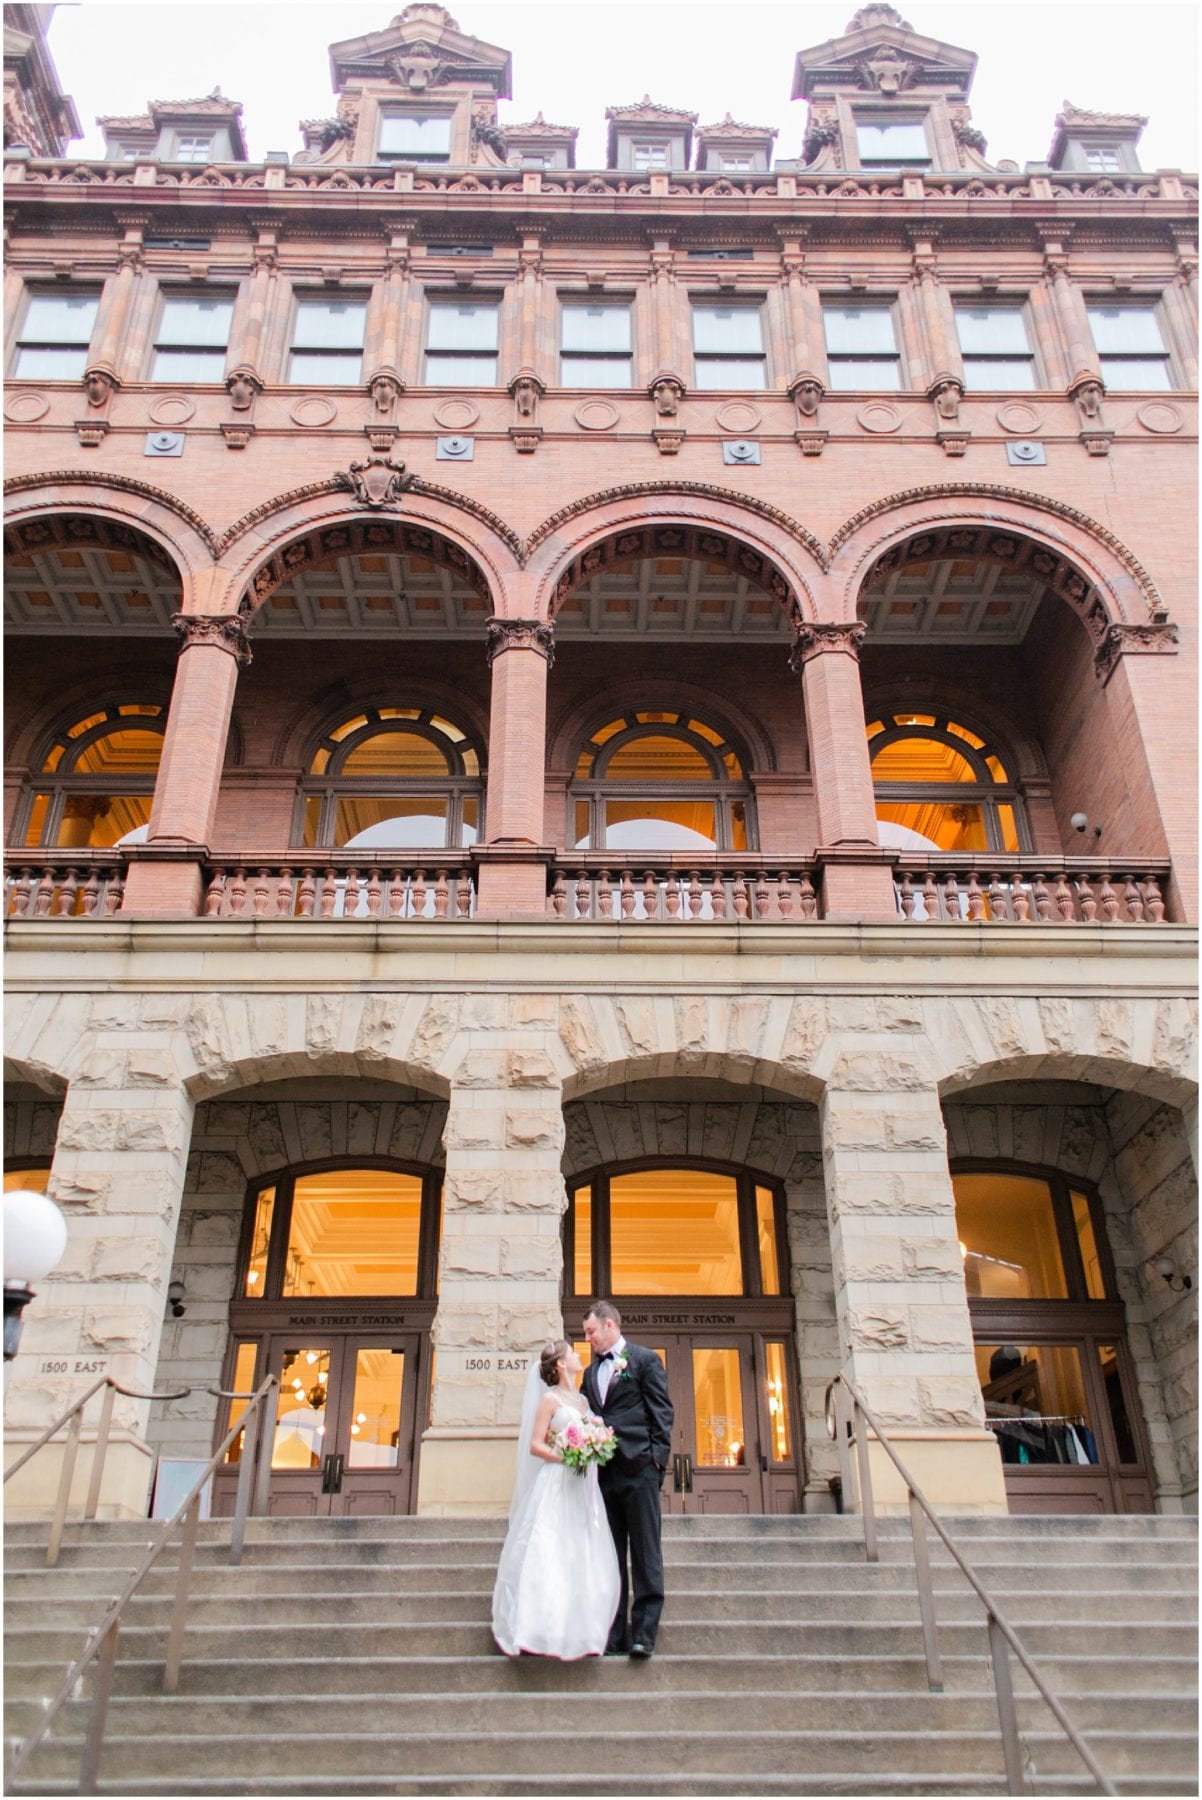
x,y
212,649
936,315
251,316
1071,313
115,309
501,1259
118,1175
904,1332
511,867
857,881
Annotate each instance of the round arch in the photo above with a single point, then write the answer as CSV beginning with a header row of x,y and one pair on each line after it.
x,y
1023,754
566,731
1078,558
759,542
35,505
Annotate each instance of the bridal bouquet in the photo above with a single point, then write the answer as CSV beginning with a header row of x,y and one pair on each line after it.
x,y
585,1442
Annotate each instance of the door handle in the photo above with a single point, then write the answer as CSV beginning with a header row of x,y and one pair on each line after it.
x,y
331,1475
682,1473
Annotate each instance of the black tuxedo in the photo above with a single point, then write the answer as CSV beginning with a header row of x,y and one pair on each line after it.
x,y
638,1408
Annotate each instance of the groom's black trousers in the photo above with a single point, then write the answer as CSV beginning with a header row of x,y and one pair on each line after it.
x,y
631,1495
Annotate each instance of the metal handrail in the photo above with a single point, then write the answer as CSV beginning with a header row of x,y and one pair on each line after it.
x,y
102,1645
1002,1636
73,1418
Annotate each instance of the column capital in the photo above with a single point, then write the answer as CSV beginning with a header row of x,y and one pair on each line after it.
x,y
221,631
1158,638
521,634
823,639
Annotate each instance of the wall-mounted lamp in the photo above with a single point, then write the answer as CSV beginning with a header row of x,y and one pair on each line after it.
x,y
1080,822
1167,1269
175,1294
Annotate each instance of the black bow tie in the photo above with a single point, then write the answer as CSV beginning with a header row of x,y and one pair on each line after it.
x,y
606,1356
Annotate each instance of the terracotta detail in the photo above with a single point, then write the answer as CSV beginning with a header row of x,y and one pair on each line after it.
x,y
636,490
824,638
945,393
237,436
243,387
667,391
91,432
385,388
100,385
1158,639
526,390
219,631
378,482
521,634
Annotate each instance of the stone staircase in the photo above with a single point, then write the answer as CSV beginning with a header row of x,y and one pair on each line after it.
x,y
352,1656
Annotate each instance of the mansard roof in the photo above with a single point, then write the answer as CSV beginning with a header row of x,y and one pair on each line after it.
x,y
1075,121
880,52
207,106
648,112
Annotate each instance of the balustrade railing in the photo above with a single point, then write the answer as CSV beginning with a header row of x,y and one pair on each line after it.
x,y
1030,890
339,887
76,885
721,889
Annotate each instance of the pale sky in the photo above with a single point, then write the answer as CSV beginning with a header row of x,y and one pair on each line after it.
x,y
572,58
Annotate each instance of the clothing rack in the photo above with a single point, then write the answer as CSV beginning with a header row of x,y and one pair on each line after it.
x,y
1040,1419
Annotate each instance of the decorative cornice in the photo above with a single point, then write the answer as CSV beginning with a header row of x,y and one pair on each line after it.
x,y
825,639
701,490
521,634
124,484
217,631
1134,640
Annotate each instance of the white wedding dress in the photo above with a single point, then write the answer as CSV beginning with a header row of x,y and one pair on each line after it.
x,y
557,1582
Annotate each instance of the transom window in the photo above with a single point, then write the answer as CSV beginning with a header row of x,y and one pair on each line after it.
x,y
995,347
596,346
659,781
415,137
728,346
861,348
392,778
461,344
190,344
896,143
327,342
1130,347
675,1231
54,337
97,779
339,1233
940,786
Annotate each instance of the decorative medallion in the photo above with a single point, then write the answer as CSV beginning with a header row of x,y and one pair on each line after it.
x,y
172,409
314,410
1023,420
24,409
456,415
879,416
1160,416
739,417
596,415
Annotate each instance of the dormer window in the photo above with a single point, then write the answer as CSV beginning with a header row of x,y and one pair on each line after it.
x,y
650,156
892,144
415,137
193,147
1103,159
736,165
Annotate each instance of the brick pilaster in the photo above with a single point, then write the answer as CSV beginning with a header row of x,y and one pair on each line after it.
x,y
520,653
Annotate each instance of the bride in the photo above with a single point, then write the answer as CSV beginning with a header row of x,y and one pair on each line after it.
x,y
557,1582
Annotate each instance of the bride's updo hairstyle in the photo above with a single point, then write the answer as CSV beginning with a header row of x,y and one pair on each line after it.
x,y
548,1366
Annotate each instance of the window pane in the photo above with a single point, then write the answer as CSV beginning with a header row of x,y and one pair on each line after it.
x,y
595,372
1149,372
1087,1243
241,1382
1007,1231
121,753
596,328
256,1268
920,760
195,322
389,821
396,753
375,1433
1130,328
675,1231
188,365
996,329
327,370
779,1426
469,828
101,820
50,365
852,330
882,376
727,329
462,327
414,135
461,371
728,372
895,142
659,825
1009,828
329,325
765,1222
37,819
1116,1400
353,1231
1025,1385
59,318
718,1409
654,758
301,1427
926,825
1009,376
37,1180
583,1241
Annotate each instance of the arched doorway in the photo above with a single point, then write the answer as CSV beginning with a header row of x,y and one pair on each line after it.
x,y
694,1253
335,1296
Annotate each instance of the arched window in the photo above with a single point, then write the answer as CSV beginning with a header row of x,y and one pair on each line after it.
x,y
940,786
96,780
392,777
659,781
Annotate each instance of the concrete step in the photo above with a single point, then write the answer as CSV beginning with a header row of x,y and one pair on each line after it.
x,y
538,1785
386,1601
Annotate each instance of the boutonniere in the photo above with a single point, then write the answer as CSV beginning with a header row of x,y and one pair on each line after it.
x,y
621,1366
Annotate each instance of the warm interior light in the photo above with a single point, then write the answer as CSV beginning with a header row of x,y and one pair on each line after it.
x,y
354,1430
362,1418
310,1356
963,1250
252,1276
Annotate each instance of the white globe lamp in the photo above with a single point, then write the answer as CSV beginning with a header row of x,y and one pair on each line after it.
x,y
35,1236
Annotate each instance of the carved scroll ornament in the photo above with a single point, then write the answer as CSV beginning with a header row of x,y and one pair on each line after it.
x,y
217,631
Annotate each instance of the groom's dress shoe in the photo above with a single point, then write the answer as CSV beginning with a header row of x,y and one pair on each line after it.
x,y
640,1650
616,1650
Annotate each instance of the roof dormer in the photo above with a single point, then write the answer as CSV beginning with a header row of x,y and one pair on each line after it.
x,y
734,149
420,92
884,97
208,130
537,145
649,136
1096,143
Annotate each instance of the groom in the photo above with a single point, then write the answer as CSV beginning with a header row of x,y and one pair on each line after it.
x,y
626,1385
